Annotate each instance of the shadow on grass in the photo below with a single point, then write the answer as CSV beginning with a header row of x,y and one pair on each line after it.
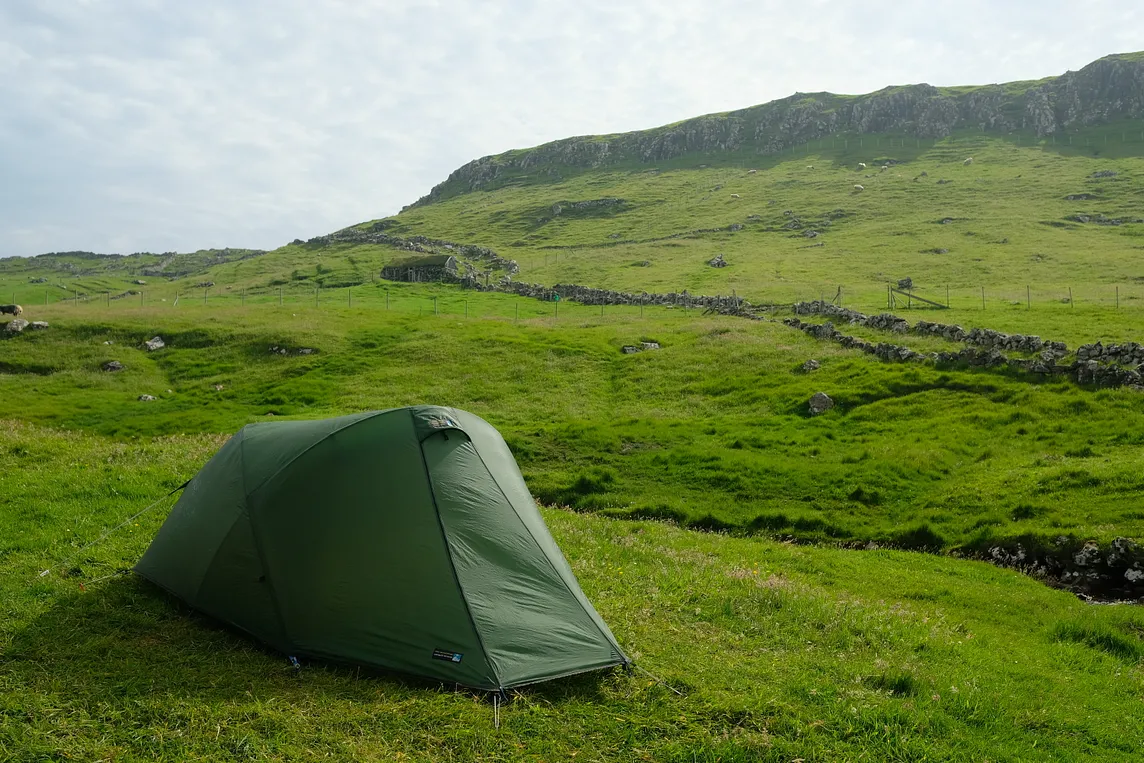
x,y
125,638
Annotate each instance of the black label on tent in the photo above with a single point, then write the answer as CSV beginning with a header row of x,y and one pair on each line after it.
x,y
447,656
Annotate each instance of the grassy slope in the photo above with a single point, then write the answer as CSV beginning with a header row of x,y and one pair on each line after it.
x,y
714,425
780,652
1010,192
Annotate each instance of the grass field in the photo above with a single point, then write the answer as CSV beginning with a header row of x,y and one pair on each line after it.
x,y
780,650
777,652
712,429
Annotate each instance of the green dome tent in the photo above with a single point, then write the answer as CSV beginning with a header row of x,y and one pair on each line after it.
x,y
402,539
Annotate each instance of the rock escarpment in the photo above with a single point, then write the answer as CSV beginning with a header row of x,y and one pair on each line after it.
x,y
1109,89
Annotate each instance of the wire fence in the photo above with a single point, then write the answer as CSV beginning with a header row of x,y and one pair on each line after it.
x,y
441,299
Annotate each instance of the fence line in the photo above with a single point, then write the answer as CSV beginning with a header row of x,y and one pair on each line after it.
x,y
867,297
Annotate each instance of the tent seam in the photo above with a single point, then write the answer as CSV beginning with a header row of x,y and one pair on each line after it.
x,y
452,564
310,447
258,545
623,657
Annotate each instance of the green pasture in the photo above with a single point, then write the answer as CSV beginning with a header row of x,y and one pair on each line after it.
x,y
760,651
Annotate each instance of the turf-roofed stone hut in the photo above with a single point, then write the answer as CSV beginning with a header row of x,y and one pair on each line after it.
x,y
403,539
437,267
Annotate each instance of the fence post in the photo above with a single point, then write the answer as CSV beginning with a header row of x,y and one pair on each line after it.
x,y
244,297
1117,297
1072,304
947,295
466,308
982,297
280,296
557,305
351,296
435,306
1028,298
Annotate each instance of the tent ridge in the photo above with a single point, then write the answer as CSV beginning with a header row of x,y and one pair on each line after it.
x,y
308,448
453,566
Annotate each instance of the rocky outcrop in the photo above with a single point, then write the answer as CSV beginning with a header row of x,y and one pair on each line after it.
x,y
1112,571
1105,90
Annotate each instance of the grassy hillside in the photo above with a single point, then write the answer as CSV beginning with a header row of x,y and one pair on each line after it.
x,y
712,428
768,652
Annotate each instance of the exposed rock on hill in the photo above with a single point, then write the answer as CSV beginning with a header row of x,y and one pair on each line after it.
x,y
1108,89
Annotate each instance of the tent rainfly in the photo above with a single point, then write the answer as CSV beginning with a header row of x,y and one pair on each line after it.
x,y
403,539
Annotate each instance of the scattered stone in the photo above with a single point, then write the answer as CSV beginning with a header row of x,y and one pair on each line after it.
x,y
306,351
810,365
147,398
945,221
219,387
943,181
820,402
810,233
16,326
276,350
649,345
154,343
1104,174
109,342
717,261
905,283
629,349
38,325
41,279
113,365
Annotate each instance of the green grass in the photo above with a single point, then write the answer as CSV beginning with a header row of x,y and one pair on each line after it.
x,y
712,430
778,651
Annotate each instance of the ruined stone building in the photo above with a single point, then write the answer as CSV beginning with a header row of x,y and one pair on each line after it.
x,y
437,267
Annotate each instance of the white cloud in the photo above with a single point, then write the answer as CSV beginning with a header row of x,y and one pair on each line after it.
x,y
135,124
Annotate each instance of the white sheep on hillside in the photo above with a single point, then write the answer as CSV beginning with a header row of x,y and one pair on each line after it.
x,y
861,165
968,161
859,188
751,172
734,196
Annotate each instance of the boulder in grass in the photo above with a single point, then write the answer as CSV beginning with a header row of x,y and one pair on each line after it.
x,y
810,365
16,326
154,343
113,365
820,402
147,398
38,325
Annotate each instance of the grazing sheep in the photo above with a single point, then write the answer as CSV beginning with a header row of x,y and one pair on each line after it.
x,y
734,196
861,165
884,168
11,310
968,161
810,166
859,188
751,172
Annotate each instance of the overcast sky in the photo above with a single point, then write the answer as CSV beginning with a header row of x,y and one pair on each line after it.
x,y
143,125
